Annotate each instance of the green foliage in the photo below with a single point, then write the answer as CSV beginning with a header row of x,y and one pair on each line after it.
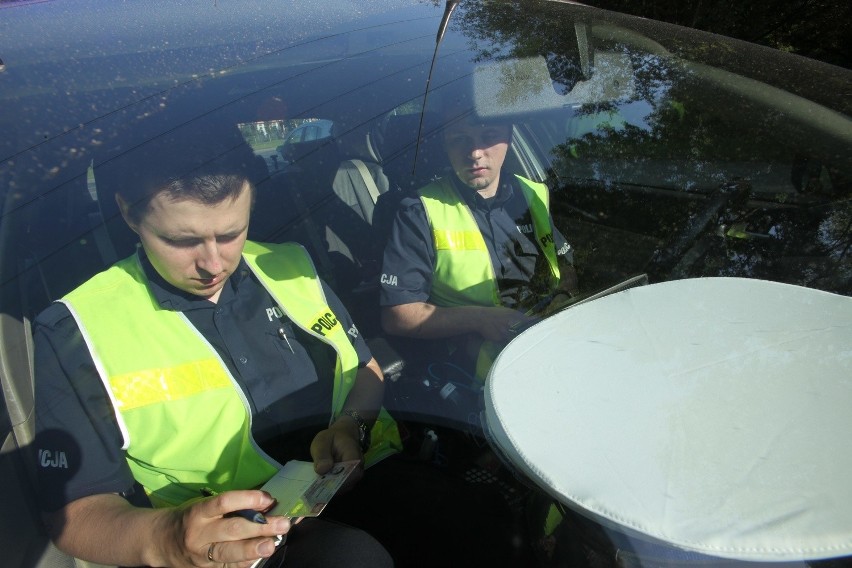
x,y
819,29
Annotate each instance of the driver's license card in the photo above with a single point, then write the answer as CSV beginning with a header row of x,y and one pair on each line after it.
x,y
301,492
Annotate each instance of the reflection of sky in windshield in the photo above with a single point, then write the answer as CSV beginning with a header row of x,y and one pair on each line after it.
x,y
636,113
143,26
78,72
173,37
66,68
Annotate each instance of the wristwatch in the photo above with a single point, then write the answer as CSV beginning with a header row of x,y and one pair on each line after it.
x,y
363,432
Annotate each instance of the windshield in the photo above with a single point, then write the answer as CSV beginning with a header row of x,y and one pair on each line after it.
x,y
664,155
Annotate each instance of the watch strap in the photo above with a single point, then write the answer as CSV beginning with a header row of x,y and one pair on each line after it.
x,y
363,431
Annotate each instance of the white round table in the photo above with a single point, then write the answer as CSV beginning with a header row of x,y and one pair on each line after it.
x,y
711,414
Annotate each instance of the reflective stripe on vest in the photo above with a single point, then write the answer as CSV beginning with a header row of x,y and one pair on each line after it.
x,y
295,287
463,273
165,386
538,200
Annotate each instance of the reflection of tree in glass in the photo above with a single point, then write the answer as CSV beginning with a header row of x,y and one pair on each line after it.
x,y
498,31
502,31
814,28
647,163
835,234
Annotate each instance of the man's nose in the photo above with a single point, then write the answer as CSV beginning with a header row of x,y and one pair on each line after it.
x,y
209,260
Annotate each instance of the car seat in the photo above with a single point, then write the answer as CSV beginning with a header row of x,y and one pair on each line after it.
x,y
22,533
62,250
395,144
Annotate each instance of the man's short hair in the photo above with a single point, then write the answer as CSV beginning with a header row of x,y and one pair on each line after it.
x,y
207,162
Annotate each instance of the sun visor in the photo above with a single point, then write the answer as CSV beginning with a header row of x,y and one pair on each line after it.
x,y
525,86
710,415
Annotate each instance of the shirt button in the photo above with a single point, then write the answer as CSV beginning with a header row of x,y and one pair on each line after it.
x,y
243,359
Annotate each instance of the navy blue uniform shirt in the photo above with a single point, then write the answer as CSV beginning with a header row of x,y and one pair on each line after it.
x,y
506,225
287,376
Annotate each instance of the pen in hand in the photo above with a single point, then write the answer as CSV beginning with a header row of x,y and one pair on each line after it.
x,y
247,514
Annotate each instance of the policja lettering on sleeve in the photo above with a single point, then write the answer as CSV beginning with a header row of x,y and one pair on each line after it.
x,y
56,459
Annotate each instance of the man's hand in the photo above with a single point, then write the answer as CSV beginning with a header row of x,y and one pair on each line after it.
x,y
495,324
560,300
204,533
106,529
339,442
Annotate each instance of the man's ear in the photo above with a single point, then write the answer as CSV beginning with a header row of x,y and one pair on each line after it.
x,y
125,213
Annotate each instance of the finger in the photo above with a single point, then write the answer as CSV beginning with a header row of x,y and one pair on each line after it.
x,y
234,501
239,528
206,523
321,452
238,553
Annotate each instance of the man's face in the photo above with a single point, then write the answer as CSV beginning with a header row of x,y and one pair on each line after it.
x,y
476,153
195,246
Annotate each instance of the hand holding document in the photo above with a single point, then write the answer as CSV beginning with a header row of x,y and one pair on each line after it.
x,y
300,492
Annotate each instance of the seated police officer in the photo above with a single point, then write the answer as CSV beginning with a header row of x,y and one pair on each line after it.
x,y
203,361
470,253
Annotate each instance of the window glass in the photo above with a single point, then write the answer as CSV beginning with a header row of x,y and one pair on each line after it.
x,y
668,153
661,161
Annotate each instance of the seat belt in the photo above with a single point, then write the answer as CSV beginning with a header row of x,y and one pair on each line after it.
x,y
104,243
320,256
368,179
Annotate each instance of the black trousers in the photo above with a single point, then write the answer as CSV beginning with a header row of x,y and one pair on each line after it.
x,y
323,543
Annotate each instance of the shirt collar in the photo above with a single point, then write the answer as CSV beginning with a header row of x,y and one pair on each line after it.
x,y
171,298
505,191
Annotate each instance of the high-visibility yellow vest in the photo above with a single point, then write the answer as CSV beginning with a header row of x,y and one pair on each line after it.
x,y
464,274
185,421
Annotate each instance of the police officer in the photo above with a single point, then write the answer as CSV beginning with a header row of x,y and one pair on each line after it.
x,y
204,360
473,251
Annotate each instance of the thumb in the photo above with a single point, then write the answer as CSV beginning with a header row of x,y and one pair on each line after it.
x,y
321,452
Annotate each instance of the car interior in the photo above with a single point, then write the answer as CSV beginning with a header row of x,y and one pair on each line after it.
x,y
325,198
336,194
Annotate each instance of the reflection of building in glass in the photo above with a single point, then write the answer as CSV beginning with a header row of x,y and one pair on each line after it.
x,y
263,131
